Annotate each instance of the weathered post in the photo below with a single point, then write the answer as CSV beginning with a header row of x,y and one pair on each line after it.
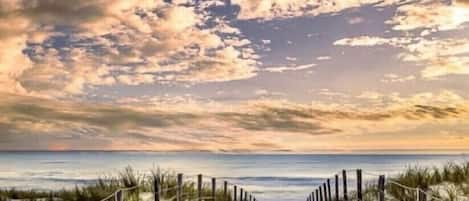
x,y
157,188
381,188
321,198
241,194
250,197
245,195
336,187
214,188
199,187
119,196
235,193
325,191
225,190
317,195
359,185
161,184
344,179
422,195
312,196
179,188
329,190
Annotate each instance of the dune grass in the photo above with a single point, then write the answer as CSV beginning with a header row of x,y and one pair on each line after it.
x,y
449,183
108,185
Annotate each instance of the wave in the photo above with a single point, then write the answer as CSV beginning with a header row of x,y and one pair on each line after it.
x,y
49,179
271,180
55,162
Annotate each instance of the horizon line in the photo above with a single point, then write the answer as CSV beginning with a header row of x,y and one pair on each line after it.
x,y
282,152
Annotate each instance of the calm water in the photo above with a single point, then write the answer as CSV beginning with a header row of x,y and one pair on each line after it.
x,y
270,177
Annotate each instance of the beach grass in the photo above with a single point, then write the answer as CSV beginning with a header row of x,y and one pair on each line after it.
x,y
449,183
105,186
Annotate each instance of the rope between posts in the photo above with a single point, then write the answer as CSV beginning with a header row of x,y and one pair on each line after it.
x,y
115,192
417,190
432,196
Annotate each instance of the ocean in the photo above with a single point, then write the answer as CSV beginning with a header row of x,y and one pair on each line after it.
x,y
272,177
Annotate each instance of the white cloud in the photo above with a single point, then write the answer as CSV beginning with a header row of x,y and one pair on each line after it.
x,y
137,45
322,58
270,9
440,56
280,69
431,15
355,20
390,78
266,41
446,66
372,41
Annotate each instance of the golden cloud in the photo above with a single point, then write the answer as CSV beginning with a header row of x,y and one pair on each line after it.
x,y
174,124
130,42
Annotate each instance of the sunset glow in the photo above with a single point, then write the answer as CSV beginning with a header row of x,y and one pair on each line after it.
x,y
293,76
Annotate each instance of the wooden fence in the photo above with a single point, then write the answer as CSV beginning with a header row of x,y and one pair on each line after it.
x,y
323,192
243,195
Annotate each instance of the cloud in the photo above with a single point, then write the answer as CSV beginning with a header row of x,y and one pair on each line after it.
x,y
355,20
440,57
463,2
323,58
391,78
446,66
440,16
131,43
372,41
270,9
266,41
171,123
281,69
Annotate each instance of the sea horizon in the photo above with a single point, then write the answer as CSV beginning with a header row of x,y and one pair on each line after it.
x,y
276,177
337,152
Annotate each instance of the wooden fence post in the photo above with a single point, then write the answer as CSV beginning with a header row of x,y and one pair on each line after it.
x,y
336,187
381,188
320,194
325,192
214,188
312,196
157,188
344,179
235,193
329,190
225,190
245,195
317,195
422,195
119,196
199,187
161,185
179,188
250,197
359,185
241,194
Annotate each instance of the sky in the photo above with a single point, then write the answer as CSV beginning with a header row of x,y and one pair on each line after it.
x,y
293,76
